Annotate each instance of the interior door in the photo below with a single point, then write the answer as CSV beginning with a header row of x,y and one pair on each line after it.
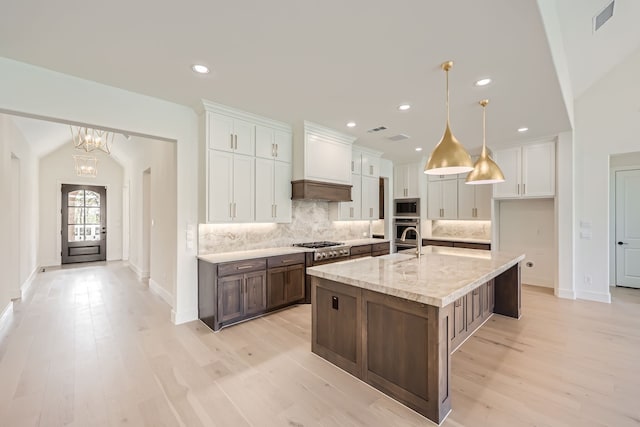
x,y
628,228
84,223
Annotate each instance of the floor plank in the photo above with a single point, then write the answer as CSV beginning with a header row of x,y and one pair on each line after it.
x,y
91,346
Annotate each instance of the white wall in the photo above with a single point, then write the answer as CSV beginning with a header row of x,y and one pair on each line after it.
x,y
13,143
607,122
157,260
58,168
528,226
36,91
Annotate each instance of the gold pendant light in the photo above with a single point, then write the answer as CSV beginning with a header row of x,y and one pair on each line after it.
x,y
485,171
449,157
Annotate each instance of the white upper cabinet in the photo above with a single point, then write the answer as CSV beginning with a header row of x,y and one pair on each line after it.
x,y
406,179
230,134
365,189
273,191
474,201
370,197
231,187
442,199
248,167
529,171
273,144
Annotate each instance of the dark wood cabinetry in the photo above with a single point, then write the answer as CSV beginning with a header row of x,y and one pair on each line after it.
x,y
450,244
376,249
470,312
234,291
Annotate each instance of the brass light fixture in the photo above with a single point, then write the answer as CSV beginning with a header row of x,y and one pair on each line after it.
x,y
89,139
485,171
86,166
449,157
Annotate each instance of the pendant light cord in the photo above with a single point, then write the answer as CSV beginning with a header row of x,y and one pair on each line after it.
x,y
447,73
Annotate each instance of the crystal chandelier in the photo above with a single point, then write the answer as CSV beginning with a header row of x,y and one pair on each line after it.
x,y
89,139
86,166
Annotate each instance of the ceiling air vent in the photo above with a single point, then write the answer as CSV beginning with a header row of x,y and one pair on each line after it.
x,y
378,129
398,137
602,17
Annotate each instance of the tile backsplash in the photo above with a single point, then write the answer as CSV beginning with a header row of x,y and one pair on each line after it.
x,y
310,222
465,229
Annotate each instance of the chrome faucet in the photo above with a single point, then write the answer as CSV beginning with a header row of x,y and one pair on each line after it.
x,y
418,239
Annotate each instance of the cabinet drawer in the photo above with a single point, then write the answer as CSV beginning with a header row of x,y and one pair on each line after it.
x,y
284,260
380,247
360,250
237,267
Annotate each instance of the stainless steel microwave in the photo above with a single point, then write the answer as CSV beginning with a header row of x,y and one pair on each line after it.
x,y
406,207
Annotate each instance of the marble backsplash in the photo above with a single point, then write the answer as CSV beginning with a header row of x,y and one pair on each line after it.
x,y
465,229
310,222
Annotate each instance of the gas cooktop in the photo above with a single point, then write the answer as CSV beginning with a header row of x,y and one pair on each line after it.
x,y
318,245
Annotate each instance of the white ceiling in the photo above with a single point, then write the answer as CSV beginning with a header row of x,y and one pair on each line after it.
x,y
326,61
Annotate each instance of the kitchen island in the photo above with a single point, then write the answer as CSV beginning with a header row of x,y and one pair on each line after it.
x,y
393,321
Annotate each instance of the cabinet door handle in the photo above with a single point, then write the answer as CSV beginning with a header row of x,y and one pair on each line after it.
x,y
370,169
235,143
371,212
350,212
518,192
524,189
234,209
273,150
275,211
353,167
231,141
276,150
230,210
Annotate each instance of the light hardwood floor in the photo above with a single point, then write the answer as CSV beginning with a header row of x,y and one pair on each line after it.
x,y
91,346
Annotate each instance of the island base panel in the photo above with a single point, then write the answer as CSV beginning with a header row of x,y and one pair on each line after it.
x,y
402,347
508,293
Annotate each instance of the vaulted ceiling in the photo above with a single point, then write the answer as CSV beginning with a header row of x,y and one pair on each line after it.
x,y
333,61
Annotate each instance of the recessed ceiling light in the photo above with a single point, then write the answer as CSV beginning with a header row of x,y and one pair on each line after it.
x,y
523,129
404,107
199,68
418,148
483,82
351,124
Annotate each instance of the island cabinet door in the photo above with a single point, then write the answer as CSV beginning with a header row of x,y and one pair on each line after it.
x,y
336,324
255,292
474,309
458,323
230,298
489,297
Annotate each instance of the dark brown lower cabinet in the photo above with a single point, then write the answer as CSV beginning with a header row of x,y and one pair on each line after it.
x,y
285,285
470,312
474,308
241,295
458,322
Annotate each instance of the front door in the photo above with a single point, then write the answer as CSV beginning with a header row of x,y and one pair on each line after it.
x,y
84,223
628,228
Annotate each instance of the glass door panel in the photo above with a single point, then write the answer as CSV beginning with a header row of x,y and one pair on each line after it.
x,y
83,223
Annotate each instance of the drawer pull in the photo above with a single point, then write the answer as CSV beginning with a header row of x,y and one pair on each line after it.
x,y
244,267
284,261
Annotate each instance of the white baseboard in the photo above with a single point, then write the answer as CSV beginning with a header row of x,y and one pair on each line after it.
x,y
565,293
6,312
594,296
26,286
183,316
539,284
157,289
141,275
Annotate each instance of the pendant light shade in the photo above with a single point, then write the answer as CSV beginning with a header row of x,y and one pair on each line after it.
x,y
449,157
485,171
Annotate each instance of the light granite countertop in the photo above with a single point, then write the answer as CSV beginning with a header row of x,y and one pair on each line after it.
x,y
441,276
458,239
268,252
251,254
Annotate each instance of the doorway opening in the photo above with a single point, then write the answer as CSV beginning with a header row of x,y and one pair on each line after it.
x,y
84,223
